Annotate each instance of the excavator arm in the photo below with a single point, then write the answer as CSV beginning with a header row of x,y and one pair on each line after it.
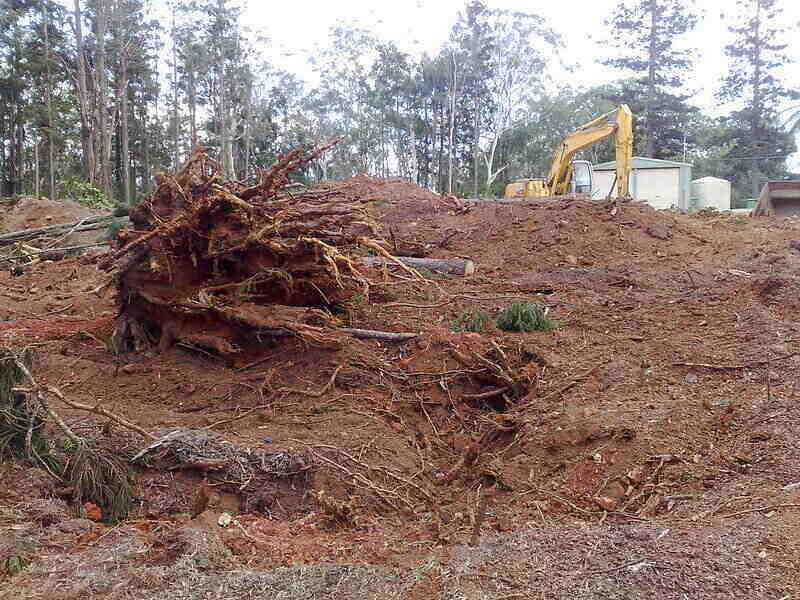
x,y
618,123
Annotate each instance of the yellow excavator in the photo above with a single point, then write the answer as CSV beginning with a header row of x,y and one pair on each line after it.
x,y
574,178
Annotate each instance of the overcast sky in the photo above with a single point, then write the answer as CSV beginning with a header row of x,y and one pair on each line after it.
x,y
423,25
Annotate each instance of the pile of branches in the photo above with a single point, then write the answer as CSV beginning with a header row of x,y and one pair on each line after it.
x,y
217,264
257,475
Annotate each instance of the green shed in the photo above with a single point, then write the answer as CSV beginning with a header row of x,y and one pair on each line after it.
x,y
660,183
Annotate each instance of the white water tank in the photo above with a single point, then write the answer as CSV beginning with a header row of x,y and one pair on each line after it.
x,y
711,192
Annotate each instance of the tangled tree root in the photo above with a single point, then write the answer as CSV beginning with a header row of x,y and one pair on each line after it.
x,y
215,264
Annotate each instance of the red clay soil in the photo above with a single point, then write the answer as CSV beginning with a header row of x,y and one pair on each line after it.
x,y
664,399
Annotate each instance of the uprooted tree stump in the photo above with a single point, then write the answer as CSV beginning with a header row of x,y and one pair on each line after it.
x,y
216,264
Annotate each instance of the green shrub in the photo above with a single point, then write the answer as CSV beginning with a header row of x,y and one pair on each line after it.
x,y
524,316
12,564
86,194
472,321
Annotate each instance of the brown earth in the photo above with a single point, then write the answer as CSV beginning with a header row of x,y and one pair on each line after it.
x,y
30,212
646,446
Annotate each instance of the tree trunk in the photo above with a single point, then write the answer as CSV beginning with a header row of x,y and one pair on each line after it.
x,y
246,132
124,134
755,116
650,149
16,145
175,132
475,153
122,99
36,190
49,99
104,167
453,92
86,224
192,106
452,266
87,136
226,141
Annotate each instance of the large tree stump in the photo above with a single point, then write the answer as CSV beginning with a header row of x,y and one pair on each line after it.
x,y
216,264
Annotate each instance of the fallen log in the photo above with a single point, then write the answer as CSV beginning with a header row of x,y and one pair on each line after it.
x,y
86,224
497,201
364,334
369,334
53,251
450,266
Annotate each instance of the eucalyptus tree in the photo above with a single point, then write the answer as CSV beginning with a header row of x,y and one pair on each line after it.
x,y
523,49
343,69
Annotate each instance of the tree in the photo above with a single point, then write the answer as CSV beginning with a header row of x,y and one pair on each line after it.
x,y
522,47
752,82
645,35
671,118
470,51
87,131
46,17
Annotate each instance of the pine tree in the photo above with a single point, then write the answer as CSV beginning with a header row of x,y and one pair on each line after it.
x,y
755,55
644,35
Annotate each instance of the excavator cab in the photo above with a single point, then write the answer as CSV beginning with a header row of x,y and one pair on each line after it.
x,y
581,178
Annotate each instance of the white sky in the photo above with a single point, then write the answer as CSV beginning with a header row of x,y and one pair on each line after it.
x,y
423,25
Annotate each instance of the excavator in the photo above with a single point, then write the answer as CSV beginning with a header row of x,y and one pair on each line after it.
x,y
574,178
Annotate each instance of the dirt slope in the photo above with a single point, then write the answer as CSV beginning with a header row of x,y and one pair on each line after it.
x,y
646,446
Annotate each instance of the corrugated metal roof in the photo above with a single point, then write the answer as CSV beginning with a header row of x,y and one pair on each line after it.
x,y
640,162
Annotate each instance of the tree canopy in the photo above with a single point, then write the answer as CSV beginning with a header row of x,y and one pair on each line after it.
x,y
97,95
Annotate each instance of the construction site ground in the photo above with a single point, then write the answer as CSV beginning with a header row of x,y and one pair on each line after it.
x,y
652,452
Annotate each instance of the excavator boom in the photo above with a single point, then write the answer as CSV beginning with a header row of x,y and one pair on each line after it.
x,y
618,123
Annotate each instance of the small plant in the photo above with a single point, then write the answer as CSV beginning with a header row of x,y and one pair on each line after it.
x,y
471,321
102,478
524,316
12,564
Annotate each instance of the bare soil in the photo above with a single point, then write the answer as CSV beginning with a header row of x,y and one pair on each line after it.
x,y
646,448
30,212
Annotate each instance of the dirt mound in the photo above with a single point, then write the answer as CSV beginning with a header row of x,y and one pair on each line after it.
x,y
651,433
29,212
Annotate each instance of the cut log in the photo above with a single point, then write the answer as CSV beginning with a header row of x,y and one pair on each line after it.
x,y
86,224
364,334
498,201
451,266
388,336
51,253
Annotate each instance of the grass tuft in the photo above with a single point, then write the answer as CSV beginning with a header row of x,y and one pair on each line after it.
x,y
524,316
471,321
101,478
